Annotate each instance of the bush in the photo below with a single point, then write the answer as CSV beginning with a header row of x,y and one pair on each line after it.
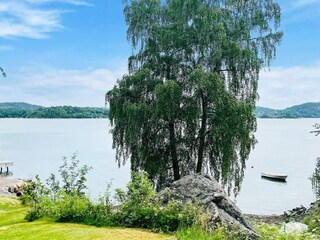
x,y
268,232
60,203
141,208
34,192
313,220
139,205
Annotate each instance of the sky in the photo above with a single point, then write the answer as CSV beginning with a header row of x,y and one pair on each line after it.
x,y
71,52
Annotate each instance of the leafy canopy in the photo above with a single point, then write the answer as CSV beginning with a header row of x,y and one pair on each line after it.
x,y
186,105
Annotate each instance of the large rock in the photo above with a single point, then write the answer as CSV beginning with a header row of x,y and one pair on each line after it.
x,y
211,196
294,227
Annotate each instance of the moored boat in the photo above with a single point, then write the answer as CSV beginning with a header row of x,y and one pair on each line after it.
x,y
275,176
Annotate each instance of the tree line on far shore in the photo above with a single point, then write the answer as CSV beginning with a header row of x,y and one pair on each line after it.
x,y
54,112
305,110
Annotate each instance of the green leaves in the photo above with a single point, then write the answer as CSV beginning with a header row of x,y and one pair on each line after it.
x,y
168,98
186,105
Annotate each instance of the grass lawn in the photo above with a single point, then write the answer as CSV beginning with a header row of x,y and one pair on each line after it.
x,y
14,227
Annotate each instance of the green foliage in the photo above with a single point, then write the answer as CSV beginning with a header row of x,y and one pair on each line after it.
x,y
24,110
306,110
139,205
265,231
13,113
33,192
143,209
69,112
268,232
66,202
200,234
14,227
188,101
315,179
313,219
73,177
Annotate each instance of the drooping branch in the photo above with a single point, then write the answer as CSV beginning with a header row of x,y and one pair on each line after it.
x,y
3,72
317,127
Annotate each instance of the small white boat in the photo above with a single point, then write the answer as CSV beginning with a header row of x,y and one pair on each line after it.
x,y
275,176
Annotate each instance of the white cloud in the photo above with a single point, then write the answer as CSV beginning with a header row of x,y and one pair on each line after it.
x,y
27,18
283,87
61,87
278,88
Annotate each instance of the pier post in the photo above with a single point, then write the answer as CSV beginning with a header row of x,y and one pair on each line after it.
x,y
5,164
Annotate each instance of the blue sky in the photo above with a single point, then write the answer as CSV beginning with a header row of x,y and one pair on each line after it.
x,y
70,52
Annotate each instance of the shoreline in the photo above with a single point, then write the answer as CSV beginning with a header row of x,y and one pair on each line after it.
x,y
296,214
10,186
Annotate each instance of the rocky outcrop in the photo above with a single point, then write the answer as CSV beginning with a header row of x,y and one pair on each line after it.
x,y
297,214
11,186
211,196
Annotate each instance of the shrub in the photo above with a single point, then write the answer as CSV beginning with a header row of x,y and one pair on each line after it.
x,y
73,177
60,203
139,207
268,232
313,220
34,192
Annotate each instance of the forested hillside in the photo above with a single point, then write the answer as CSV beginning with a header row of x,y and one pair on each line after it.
x,y
25,110
305,110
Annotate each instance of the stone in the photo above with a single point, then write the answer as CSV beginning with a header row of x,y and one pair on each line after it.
x,y
294,227
210,195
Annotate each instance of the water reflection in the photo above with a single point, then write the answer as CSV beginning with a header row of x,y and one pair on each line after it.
x,y
6,174
280,181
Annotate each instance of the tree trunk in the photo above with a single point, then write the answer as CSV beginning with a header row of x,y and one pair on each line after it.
x,y
202,133
173,150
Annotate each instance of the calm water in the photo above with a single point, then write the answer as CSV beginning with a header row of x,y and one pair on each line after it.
x,y
285,146
36,146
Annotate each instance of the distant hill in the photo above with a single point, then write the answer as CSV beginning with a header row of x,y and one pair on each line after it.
x,y
305,110
19,105
25,110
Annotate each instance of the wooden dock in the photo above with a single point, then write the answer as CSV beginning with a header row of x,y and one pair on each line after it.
x,y
5,164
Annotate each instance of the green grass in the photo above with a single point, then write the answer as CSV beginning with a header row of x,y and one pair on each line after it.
x,y
269,232
13,226
196,233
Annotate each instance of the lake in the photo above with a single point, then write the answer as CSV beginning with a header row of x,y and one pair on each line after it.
x,y
36,146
